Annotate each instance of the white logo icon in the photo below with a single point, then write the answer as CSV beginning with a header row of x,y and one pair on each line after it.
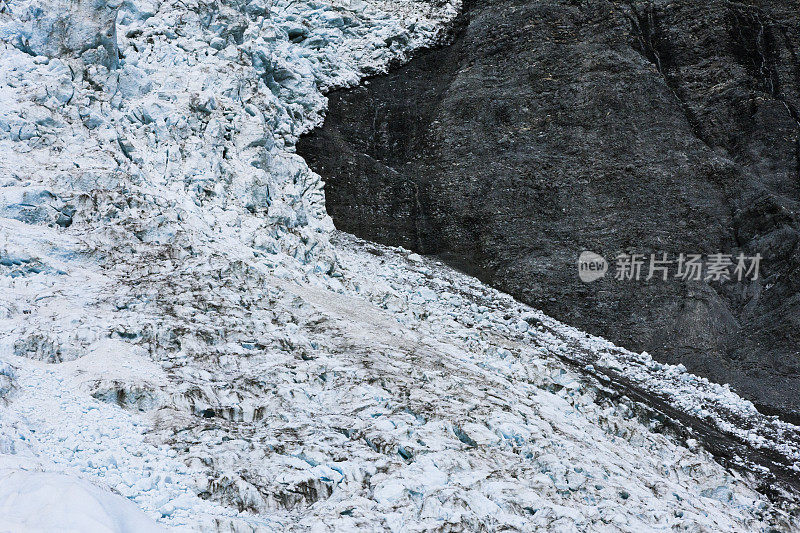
x,y
591,266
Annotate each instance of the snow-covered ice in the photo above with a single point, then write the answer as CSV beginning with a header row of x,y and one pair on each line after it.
x,y
182,330
40,502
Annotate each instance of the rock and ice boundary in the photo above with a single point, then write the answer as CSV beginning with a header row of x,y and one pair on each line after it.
x,y
181,326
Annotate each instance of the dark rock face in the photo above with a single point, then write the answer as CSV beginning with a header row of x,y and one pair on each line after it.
x,y
552,127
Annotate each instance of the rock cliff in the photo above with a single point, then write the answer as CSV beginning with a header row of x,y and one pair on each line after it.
x,y
551,127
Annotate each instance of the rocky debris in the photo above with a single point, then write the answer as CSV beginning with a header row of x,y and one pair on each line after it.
x,y
553,127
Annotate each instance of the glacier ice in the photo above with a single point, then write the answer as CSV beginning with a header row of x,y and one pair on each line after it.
x,y
65,28
182,325
41,501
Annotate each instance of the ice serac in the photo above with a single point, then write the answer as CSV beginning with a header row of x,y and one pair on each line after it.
x,y
180,323
69,28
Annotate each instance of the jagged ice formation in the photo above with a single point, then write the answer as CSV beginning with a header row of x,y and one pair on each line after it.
x,y
179,328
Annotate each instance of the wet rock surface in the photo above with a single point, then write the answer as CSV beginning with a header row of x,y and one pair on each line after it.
x,y
551,127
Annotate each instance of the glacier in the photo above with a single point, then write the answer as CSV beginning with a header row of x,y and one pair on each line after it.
x,y
187,342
